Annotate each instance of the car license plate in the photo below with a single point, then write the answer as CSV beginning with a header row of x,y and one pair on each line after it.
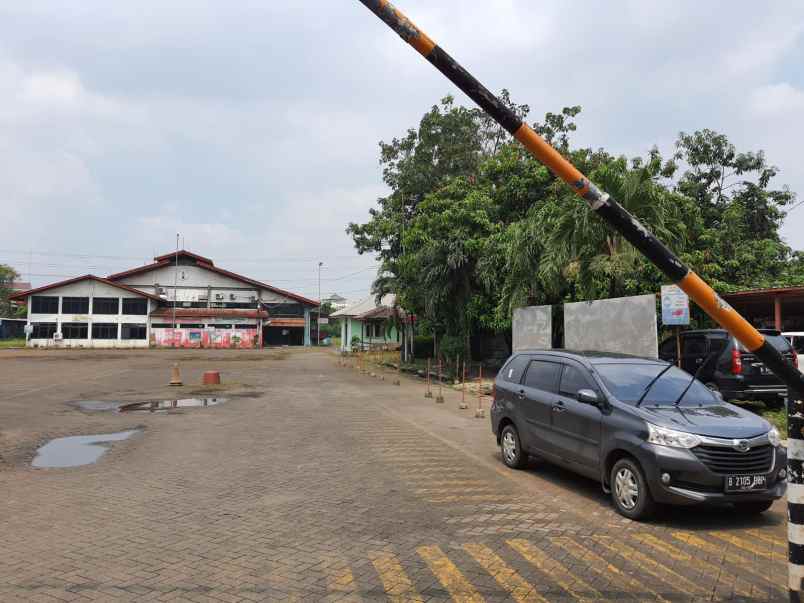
x,y
764,370
745,483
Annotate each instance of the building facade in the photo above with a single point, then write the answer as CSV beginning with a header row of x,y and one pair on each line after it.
x,y
368,324
180,300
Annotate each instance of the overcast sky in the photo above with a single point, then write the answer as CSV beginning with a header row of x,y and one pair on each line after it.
x,y
251,128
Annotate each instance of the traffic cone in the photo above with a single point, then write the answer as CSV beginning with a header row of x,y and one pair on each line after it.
x,y
175,377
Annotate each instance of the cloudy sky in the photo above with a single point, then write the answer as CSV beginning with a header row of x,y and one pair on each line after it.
x,y
251,128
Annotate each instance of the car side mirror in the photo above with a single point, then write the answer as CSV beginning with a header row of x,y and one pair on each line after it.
x,y
588,396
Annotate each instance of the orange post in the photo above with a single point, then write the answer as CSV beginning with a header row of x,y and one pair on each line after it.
x,y
427,392
480,413
463,405
439,397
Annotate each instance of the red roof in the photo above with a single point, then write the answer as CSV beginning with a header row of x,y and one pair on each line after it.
x,y
90,277
209,313
767,291
166,260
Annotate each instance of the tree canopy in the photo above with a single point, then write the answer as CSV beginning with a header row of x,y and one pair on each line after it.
x,y
473,226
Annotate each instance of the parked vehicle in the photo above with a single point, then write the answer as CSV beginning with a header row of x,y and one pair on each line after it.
x,y
647,430
724,365
796,339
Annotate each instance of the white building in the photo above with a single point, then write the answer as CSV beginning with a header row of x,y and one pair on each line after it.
x,y
180,300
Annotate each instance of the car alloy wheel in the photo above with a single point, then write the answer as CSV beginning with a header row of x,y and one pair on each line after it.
x,y
509,447
626,488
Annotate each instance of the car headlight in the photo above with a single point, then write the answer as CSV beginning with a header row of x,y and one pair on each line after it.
x,y
671,437
774,438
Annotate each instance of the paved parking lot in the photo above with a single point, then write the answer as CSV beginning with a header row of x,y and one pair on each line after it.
x,y
317,482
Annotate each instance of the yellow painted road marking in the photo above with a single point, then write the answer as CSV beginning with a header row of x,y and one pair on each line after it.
x,y
654,568
710,569
777,540
505,575
597,564
395,581
744,564
341,580
749,546
449,575
555,570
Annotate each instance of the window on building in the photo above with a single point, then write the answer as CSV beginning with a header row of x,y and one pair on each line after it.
x,y
161,325
221,326
74,330
104,330
74,305
190,326
133,332
246,326
135,306
284,309
105,305
44,304
43,330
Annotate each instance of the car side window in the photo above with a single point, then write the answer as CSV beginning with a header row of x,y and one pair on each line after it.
x,y
543,375
573,379
513,370
694,346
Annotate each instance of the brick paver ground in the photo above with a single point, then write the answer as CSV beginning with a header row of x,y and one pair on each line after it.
x,y
316,482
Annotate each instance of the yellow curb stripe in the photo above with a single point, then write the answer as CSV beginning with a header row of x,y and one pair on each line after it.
x,y
554,570
507,577
597,564
653,567
395,581
449,575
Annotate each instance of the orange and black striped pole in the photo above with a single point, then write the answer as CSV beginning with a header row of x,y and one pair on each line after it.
x,y
647,243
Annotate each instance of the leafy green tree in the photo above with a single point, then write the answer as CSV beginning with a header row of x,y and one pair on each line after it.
x,y
7,276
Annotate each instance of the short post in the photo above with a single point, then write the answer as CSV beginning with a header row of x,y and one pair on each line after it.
x,y
439,397
427,392
463,405
398,380
480,413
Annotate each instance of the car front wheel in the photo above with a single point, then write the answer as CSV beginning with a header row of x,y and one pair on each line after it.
x,y
629,490
511,448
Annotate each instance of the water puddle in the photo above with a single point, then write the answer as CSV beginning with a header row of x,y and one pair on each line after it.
x,y
74,451
146,406
162,405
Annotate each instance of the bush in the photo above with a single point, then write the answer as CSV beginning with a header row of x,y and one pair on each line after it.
x,y
452,346
423,346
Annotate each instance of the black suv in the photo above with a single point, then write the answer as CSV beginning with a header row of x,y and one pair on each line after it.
x,y
647,430
719,360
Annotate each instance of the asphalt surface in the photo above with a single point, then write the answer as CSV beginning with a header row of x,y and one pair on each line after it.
x,y
316,482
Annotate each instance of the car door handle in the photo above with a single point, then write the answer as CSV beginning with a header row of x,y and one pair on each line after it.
x,y
521,394
559,407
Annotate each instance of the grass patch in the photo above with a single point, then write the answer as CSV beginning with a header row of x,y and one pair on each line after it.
x,y
12,343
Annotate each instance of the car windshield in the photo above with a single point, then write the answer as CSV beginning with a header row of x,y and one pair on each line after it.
x,y
627,381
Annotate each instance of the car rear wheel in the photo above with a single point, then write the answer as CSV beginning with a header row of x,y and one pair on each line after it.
x,y
629,490
511,448
753,508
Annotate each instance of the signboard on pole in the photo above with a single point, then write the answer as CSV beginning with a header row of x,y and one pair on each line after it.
x,y
675,306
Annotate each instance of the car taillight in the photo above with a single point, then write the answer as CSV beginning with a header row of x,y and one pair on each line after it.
x,y
795,360
736,362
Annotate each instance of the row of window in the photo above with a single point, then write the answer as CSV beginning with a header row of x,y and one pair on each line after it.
x,y
80,330
49,304
167,325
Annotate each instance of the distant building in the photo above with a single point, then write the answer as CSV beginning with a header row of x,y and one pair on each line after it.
x,y
336,301
180,300
368,323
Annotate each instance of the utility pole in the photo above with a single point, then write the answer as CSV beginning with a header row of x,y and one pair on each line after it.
x,y
175,286
318,322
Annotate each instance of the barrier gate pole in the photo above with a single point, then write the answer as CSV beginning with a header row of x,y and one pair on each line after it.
x,y
651,247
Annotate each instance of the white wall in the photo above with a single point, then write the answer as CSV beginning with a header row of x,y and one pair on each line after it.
x,y
91,289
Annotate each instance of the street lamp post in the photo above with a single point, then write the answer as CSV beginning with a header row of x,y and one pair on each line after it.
x,y
318,322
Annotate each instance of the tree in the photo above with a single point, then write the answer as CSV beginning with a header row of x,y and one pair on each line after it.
x,y
7,276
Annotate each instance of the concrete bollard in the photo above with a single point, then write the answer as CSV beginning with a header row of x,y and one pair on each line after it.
x,y
175,376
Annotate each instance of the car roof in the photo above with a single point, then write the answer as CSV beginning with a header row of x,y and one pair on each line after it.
x,y
594,356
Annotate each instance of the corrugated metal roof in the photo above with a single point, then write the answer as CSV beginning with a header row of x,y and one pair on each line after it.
x,y
366,305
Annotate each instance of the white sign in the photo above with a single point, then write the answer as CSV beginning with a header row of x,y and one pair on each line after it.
x,y
28,329
675,306
324,320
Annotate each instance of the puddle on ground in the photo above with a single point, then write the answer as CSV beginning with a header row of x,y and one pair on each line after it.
x,y
146,406
158,405
74,451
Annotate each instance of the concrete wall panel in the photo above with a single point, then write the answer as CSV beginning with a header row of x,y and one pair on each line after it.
x,y
532,328
624,324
